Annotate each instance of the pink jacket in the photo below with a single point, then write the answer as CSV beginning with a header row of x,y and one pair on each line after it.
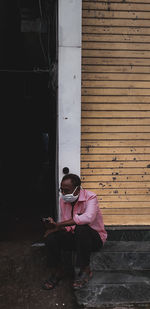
x,y
85,211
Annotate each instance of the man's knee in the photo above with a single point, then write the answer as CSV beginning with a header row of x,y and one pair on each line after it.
x,y
81,230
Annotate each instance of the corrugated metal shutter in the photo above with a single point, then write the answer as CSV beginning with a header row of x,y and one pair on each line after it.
x,y
115,149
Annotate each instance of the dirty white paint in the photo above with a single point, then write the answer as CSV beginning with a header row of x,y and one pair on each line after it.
x,y
69,85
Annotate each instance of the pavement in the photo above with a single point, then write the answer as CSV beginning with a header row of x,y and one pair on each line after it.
x,y
23,269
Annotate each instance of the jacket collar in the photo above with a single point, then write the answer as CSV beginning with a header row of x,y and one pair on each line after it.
x,y
82,196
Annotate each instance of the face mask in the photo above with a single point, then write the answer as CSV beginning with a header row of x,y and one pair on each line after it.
x,y
70,198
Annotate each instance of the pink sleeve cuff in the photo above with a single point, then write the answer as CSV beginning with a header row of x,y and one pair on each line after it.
x,y
76,219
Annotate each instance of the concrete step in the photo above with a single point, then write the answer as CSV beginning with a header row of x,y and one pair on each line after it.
x,y
129,246
122,255
121,276
114,288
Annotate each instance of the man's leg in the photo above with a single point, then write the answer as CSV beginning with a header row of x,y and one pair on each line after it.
x,y
55,243
53,249
87,240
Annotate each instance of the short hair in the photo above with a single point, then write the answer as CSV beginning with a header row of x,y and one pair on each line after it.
x,y
75,179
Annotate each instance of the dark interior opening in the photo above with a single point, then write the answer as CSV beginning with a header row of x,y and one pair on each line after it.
x,y
28,96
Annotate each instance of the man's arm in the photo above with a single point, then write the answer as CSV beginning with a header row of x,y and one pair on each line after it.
x,y
65,223
58,226
62,223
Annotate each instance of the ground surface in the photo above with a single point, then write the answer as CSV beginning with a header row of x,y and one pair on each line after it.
x,y
22,272
30,296
23,269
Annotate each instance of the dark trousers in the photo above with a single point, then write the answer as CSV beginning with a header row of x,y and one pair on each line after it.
x,y
84,240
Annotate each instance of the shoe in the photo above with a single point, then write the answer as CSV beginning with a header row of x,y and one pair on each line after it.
x,y
81,281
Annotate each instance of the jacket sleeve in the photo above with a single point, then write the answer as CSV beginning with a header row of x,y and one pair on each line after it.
x,y
90,212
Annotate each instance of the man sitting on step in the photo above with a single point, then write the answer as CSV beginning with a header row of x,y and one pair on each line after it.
x,y
80,229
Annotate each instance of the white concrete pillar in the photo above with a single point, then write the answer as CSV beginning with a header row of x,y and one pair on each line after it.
x,y
69,85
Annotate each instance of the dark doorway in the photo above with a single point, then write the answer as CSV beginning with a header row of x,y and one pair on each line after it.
x,y
28,96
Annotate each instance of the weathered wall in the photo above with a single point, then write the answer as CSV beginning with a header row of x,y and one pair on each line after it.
x,y
116,108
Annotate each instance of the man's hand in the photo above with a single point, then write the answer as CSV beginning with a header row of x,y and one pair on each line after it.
x,y
49,223
51,226
51,220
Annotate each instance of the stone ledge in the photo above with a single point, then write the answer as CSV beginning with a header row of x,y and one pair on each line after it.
x,y
128,233
120,261
126,246
122,255
115,288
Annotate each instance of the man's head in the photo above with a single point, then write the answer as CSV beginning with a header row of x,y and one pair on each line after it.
x,y
69,183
